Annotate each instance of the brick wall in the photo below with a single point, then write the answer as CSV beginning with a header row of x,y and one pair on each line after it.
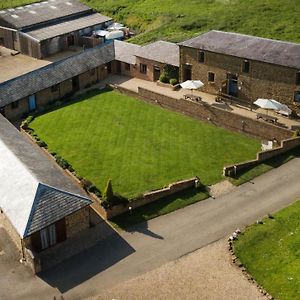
x,y
218,116
150,68
147,198
263,80
15,113
88,78
286,145
77,222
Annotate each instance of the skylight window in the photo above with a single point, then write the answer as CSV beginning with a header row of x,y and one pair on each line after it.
x,y
69,3
15,16
53,7
11,9
32,12
20,8
2,11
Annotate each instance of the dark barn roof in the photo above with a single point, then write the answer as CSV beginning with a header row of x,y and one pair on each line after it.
x,y
45,77
42,12
248,47
161,51
126,52
67,26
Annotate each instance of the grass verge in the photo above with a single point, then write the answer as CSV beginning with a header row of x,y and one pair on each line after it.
x,y
271,253
161,207
275,162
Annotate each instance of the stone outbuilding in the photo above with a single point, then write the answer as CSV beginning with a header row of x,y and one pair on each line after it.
x,y
242,67
152,58
41,207
43,29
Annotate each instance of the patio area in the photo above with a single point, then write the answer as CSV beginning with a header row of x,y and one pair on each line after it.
x,y
133,84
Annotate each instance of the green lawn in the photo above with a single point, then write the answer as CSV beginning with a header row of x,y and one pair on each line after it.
x,y
179,20
271,253
138,145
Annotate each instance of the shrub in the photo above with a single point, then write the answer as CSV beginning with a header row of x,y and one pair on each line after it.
x,y
173,81
62,162
296,133
86,184
110,199
163,78
108,193
42,144
93,189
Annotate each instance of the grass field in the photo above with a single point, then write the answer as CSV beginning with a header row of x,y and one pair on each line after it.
x,y
271,253
179,20
138,145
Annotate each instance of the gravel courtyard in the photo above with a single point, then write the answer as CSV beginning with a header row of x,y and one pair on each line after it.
x,y
204,274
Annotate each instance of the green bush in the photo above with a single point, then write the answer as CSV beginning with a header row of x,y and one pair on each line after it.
x,y
110,199
62,162
93,189
86,184
163,78
296,133
173,81
42,144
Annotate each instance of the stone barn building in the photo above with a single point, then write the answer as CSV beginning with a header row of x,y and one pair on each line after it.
x,y
41,207
152,58
242,67
42,29
34,90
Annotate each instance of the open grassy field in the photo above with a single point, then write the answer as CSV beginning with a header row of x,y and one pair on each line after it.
x,y
179,20
138,145
271,253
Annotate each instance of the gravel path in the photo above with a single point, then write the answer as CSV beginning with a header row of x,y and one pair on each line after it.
x,y
204,274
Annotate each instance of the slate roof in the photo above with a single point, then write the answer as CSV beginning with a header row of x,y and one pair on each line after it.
x,y
161,51
51,205
45,77
34,191
248,47
65,27
38,13
126,52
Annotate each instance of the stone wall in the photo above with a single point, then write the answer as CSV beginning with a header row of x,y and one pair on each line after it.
x,y
262,81
150,68
218,116
77,222
147,198
286,145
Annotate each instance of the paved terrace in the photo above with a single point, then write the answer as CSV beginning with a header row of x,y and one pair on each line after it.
x,y
12,66
132,84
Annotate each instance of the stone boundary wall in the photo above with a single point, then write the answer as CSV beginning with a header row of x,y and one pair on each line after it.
x,y
285,146
148,197
217,116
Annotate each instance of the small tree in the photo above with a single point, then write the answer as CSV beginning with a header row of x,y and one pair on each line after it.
x,y
108,194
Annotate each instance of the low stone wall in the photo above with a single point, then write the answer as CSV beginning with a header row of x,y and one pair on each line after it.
x,y
148,197
286,145
218,116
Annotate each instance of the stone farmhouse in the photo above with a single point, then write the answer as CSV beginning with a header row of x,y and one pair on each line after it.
x,y
243,67
42,29
41,207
